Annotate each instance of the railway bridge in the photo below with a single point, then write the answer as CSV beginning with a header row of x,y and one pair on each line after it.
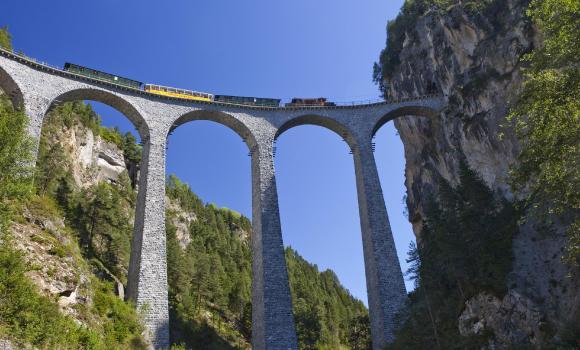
x,y
37,87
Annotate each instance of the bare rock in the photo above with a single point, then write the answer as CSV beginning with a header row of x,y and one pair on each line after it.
x,y
182,220
512,320
94,159
54,271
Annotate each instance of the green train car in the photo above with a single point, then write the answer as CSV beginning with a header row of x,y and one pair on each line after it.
x,y
95,74
250,101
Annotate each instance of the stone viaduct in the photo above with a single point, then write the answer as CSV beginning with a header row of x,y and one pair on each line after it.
x,y
36,88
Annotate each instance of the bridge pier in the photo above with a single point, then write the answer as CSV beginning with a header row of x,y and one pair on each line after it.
x,y
385,284
272,319
35,108
147,281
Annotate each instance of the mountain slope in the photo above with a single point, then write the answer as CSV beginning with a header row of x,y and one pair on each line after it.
x,y
77,231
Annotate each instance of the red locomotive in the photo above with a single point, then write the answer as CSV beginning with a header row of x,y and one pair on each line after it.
x,y
299,102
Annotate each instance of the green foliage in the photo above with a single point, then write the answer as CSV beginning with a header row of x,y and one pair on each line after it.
x,y
210,285
126,142
29,318
112,135
131,149
546,118
52,163
359,337
5,38
211,276
181,192
402,28
15,157
123,324
466,248
326,315
102,215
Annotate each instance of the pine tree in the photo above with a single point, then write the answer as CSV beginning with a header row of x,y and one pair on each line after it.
x,y
465,248
15,157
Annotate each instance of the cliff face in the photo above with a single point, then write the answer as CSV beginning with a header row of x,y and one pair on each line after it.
x,y
48,243
95,159
474,60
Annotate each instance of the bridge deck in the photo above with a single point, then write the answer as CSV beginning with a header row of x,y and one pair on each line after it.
x,y
31,62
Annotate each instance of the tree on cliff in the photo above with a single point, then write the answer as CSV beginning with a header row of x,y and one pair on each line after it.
x,y
546,117
15,156
15,147
466,248
5,38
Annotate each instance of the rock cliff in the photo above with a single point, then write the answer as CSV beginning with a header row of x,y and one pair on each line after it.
x,y
474,62
474,59
94,159
49,245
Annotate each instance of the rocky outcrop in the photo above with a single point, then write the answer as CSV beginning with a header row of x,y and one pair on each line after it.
x,y
474,60
514,320
94,159
182,220
57,268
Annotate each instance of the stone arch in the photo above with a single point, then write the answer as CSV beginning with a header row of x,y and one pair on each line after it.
x,y
11,88
325,122
222,118
108,98
417,111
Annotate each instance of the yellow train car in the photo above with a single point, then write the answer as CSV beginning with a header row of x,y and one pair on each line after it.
x,y
178,93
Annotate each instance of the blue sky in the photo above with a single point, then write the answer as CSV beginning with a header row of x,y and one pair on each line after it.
x,y
252,48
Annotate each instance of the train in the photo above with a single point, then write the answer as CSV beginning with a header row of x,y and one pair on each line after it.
x,y
321,101
192,95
